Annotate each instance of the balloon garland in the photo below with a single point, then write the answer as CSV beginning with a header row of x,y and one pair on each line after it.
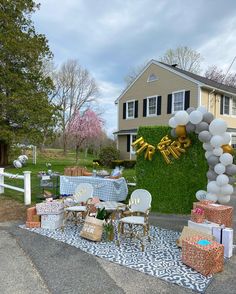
x,y
212,133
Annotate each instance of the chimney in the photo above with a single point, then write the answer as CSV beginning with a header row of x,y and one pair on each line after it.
x,y
174,65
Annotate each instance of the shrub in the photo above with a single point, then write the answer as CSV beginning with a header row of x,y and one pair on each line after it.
x,y
107,154
173,186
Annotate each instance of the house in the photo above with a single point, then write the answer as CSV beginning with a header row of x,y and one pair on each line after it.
x,y
162,89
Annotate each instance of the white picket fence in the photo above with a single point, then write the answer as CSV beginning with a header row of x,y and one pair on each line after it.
x,y
27,184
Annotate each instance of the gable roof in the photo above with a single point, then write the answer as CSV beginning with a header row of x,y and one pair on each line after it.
x,y
199,80
203,80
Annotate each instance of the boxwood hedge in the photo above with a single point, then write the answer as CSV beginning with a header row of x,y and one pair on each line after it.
x,y
173,186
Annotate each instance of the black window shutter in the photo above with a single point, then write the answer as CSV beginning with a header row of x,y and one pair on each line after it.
x,y
124,110
169,103
222,104
128,143
136,108
186,100
159,105
144,107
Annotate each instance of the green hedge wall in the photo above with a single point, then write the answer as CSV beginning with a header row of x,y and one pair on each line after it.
x,y
173,186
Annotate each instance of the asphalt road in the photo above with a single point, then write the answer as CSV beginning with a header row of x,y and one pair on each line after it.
x,y
31,263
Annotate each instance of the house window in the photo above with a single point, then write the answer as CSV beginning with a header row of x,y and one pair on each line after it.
x,y
132,139
178,101
152,77
152,106
130,109
234,106
226,103
233,141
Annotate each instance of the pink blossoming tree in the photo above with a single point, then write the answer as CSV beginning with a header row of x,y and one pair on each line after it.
x,y
84,126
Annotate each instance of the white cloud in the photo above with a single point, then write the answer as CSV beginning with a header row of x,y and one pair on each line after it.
x,y
110,37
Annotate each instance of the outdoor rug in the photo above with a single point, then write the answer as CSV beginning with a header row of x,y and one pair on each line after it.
x,y
161,258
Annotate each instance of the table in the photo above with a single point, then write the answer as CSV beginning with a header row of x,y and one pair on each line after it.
x,y
104,188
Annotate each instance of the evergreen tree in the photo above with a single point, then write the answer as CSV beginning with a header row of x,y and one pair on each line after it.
x,y
24,88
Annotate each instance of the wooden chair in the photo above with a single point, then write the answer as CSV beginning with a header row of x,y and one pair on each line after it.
x,y
136,225
83,193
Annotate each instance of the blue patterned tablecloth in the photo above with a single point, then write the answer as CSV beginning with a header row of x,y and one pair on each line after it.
x,y
105,189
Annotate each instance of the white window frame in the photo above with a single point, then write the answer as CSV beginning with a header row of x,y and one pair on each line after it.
x,y
132,150
149,80
127,112
231,105
153,114
172,104
232,135
228,114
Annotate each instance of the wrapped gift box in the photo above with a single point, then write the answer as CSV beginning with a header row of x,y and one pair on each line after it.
x,y
205,227
225,237
203,255
52,221
220,214
53,207
30,213
32,224
197,217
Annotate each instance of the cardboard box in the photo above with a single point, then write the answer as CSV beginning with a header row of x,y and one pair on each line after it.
x,y
53,207
189,232
52,221
36,218
203,255
216,213
205,227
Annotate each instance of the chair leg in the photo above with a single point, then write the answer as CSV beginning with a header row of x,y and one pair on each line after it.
x,y
120,225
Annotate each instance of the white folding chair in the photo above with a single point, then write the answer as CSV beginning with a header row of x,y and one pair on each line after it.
x,y
139,208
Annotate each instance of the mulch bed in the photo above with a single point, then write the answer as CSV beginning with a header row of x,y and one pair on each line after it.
x,y
11,210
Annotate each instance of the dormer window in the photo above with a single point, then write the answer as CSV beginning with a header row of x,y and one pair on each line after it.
x,y
152,77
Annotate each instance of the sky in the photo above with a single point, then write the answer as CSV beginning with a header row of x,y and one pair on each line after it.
x,y
109,38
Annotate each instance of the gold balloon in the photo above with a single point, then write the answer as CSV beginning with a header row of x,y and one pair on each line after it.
x,y
227,149
180,131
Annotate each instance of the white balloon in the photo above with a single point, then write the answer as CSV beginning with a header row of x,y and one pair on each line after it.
x,y
201,195
211,196
216,141
182,117
212,187
219,168
226,138
226,159
207,147
222,180
217,151
223,199
172,122
227,189
195,117
208,153
202,109
218,126
17,164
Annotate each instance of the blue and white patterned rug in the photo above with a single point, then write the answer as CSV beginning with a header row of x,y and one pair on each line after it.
x,y
161,258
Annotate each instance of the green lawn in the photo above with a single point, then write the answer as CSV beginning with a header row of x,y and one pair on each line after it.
x,y
58,162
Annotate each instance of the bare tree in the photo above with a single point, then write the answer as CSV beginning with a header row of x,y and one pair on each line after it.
x,y
133,73
217,74
75,89
185,58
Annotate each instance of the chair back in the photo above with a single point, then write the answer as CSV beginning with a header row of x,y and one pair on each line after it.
x,y
140,200
83,192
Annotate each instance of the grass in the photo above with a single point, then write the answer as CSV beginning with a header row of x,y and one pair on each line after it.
x,y
58,163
